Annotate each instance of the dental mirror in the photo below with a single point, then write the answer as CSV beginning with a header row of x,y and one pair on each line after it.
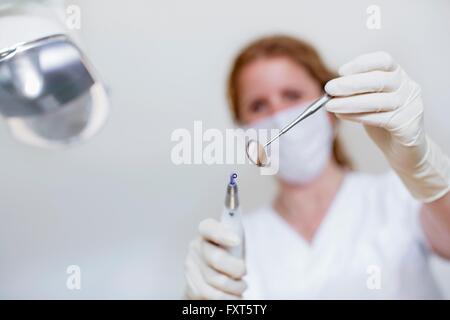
x,y
257,152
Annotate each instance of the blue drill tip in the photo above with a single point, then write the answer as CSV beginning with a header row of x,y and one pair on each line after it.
x,y
233,178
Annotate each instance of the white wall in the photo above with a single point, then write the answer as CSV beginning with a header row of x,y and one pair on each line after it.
x,y
117,206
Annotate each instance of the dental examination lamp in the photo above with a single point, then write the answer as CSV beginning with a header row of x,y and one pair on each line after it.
x,y
50,95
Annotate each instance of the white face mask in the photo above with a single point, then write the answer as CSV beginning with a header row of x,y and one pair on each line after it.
x,y
306,148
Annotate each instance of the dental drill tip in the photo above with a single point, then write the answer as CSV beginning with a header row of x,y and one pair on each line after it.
x,y
233,178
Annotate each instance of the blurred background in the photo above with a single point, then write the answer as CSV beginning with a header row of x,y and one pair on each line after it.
x,y
117,206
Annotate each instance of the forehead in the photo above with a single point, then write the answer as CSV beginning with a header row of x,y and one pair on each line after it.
x,y
271,70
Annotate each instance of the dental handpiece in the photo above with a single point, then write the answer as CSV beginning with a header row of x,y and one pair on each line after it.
x,y
232,217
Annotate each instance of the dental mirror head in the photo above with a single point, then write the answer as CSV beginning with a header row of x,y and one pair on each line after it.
x,y
256,153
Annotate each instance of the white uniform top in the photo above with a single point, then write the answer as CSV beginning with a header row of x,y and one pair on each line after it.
x,y
370,245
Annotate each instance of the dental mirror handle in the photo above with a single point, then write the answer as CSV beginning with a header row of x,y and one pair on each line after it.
x,y
316,105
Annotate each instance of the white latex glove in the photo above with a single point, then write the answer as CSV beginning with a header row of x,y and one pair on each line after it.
x,y
376,92
211,271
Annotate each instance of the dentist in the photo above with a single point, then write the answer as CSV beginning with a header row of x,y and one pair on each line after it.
x,y
331,232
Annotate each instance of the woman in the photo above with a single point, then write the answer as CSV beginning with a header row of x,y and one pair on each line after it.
x,y
330,232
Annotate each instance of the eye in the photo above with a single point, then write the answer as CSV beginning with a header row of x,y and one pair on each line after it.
x,y
258,106
292,95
